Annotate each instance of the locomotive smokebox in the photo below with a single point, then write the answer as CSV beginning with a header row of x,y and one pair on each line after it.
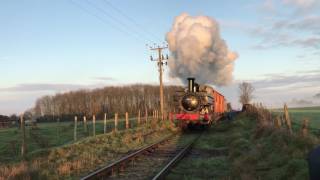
x,y
191,84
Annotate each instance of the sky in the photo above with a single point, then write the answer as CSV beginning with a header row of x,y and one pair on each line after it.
x,y
48,47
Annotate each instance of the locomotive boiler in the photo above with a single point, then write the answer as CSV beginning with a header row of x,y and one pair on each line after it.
x,y
198,105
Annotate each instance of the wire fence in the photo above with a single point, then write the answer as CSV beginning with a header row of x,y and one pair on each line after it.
x,y
43,136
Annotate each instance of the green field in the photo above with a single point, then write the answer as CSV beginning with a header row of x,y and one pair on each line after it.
x,y
48,135
297,115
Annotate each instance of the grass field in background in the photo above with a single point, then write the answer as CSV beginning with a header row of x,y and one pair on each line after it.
x,y
298,114
48,135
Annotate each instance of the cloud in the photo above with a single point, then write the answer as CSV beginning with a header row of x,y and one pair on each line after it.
x,y
280,82
287,27
233,24
268,6
294,8
104,78
317,96
308,72
44,87
277,35
298,88
273,90
300,102
301,4
312,42
309,23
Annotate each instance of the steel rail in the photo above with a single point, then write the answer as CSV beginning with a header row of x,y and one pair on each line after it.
x,y
119,163
162,174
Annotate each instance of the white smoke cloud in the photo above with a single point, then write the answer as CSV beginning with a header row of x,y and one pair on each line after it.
x,y
198,51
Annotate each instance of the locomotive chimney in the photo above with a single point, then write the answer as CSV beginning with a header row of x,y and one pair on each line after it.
x,y
191,84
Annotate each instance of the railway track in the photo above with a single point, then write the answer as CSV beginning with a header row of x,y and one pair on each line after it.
x,y
151,162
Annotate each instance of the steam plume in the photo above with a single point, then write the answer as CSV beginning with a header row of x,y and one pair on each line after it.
x,y
198,51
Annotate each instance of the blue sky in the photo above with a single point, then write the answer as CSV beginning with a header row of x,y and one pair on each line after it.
x,y
55,46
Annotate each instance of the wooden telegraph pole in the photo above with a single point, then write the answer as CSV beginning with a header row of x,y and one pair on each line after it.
x,y
161,61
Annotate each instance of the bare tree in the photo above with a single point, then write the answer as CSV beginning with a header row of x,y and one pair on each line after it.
x,y
245,93
108,100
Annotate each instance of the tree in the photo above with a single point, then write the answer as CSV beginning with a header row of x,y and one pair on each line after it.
x,y
245,93
110,100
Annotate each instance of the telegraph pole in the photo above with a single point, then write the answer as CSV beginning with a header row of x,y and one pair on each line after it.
x,y
161,61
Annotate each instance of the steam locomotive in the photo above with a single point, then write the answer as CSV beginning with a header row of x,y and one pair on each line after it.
x,y
198,105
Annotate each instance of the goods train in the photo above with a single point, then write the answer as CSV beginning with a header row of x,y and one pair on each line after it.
x,y
198,105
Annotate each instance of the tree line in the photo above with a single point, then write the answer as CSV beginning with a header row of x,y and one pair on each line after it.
x,y
110,100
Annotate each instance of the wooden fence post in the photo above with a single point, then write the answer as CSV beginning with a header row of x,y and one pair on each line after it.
x,y
105,123
58,129
94,125
146,116
23,146
162,116
305,125
157,115
116,121
85,123
277,123
75,128
127,121
139,120
287,118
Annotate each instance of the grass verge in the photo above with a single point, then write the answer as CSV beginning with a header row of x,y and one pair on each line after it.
x,y
75,160
240,149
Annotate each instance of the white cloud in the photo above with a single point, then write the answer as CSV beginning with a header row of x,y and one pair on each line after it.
x,y
317,96
268,6
104,78
44,87
274,90
301,4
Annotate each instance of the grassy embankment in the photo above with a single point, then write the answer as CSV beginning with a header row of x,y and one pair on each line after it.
x,y
74,160
241,149
48,135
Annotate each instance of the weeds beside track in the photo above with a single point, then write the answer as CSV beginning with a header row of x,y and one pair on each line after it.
x,y
153,161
